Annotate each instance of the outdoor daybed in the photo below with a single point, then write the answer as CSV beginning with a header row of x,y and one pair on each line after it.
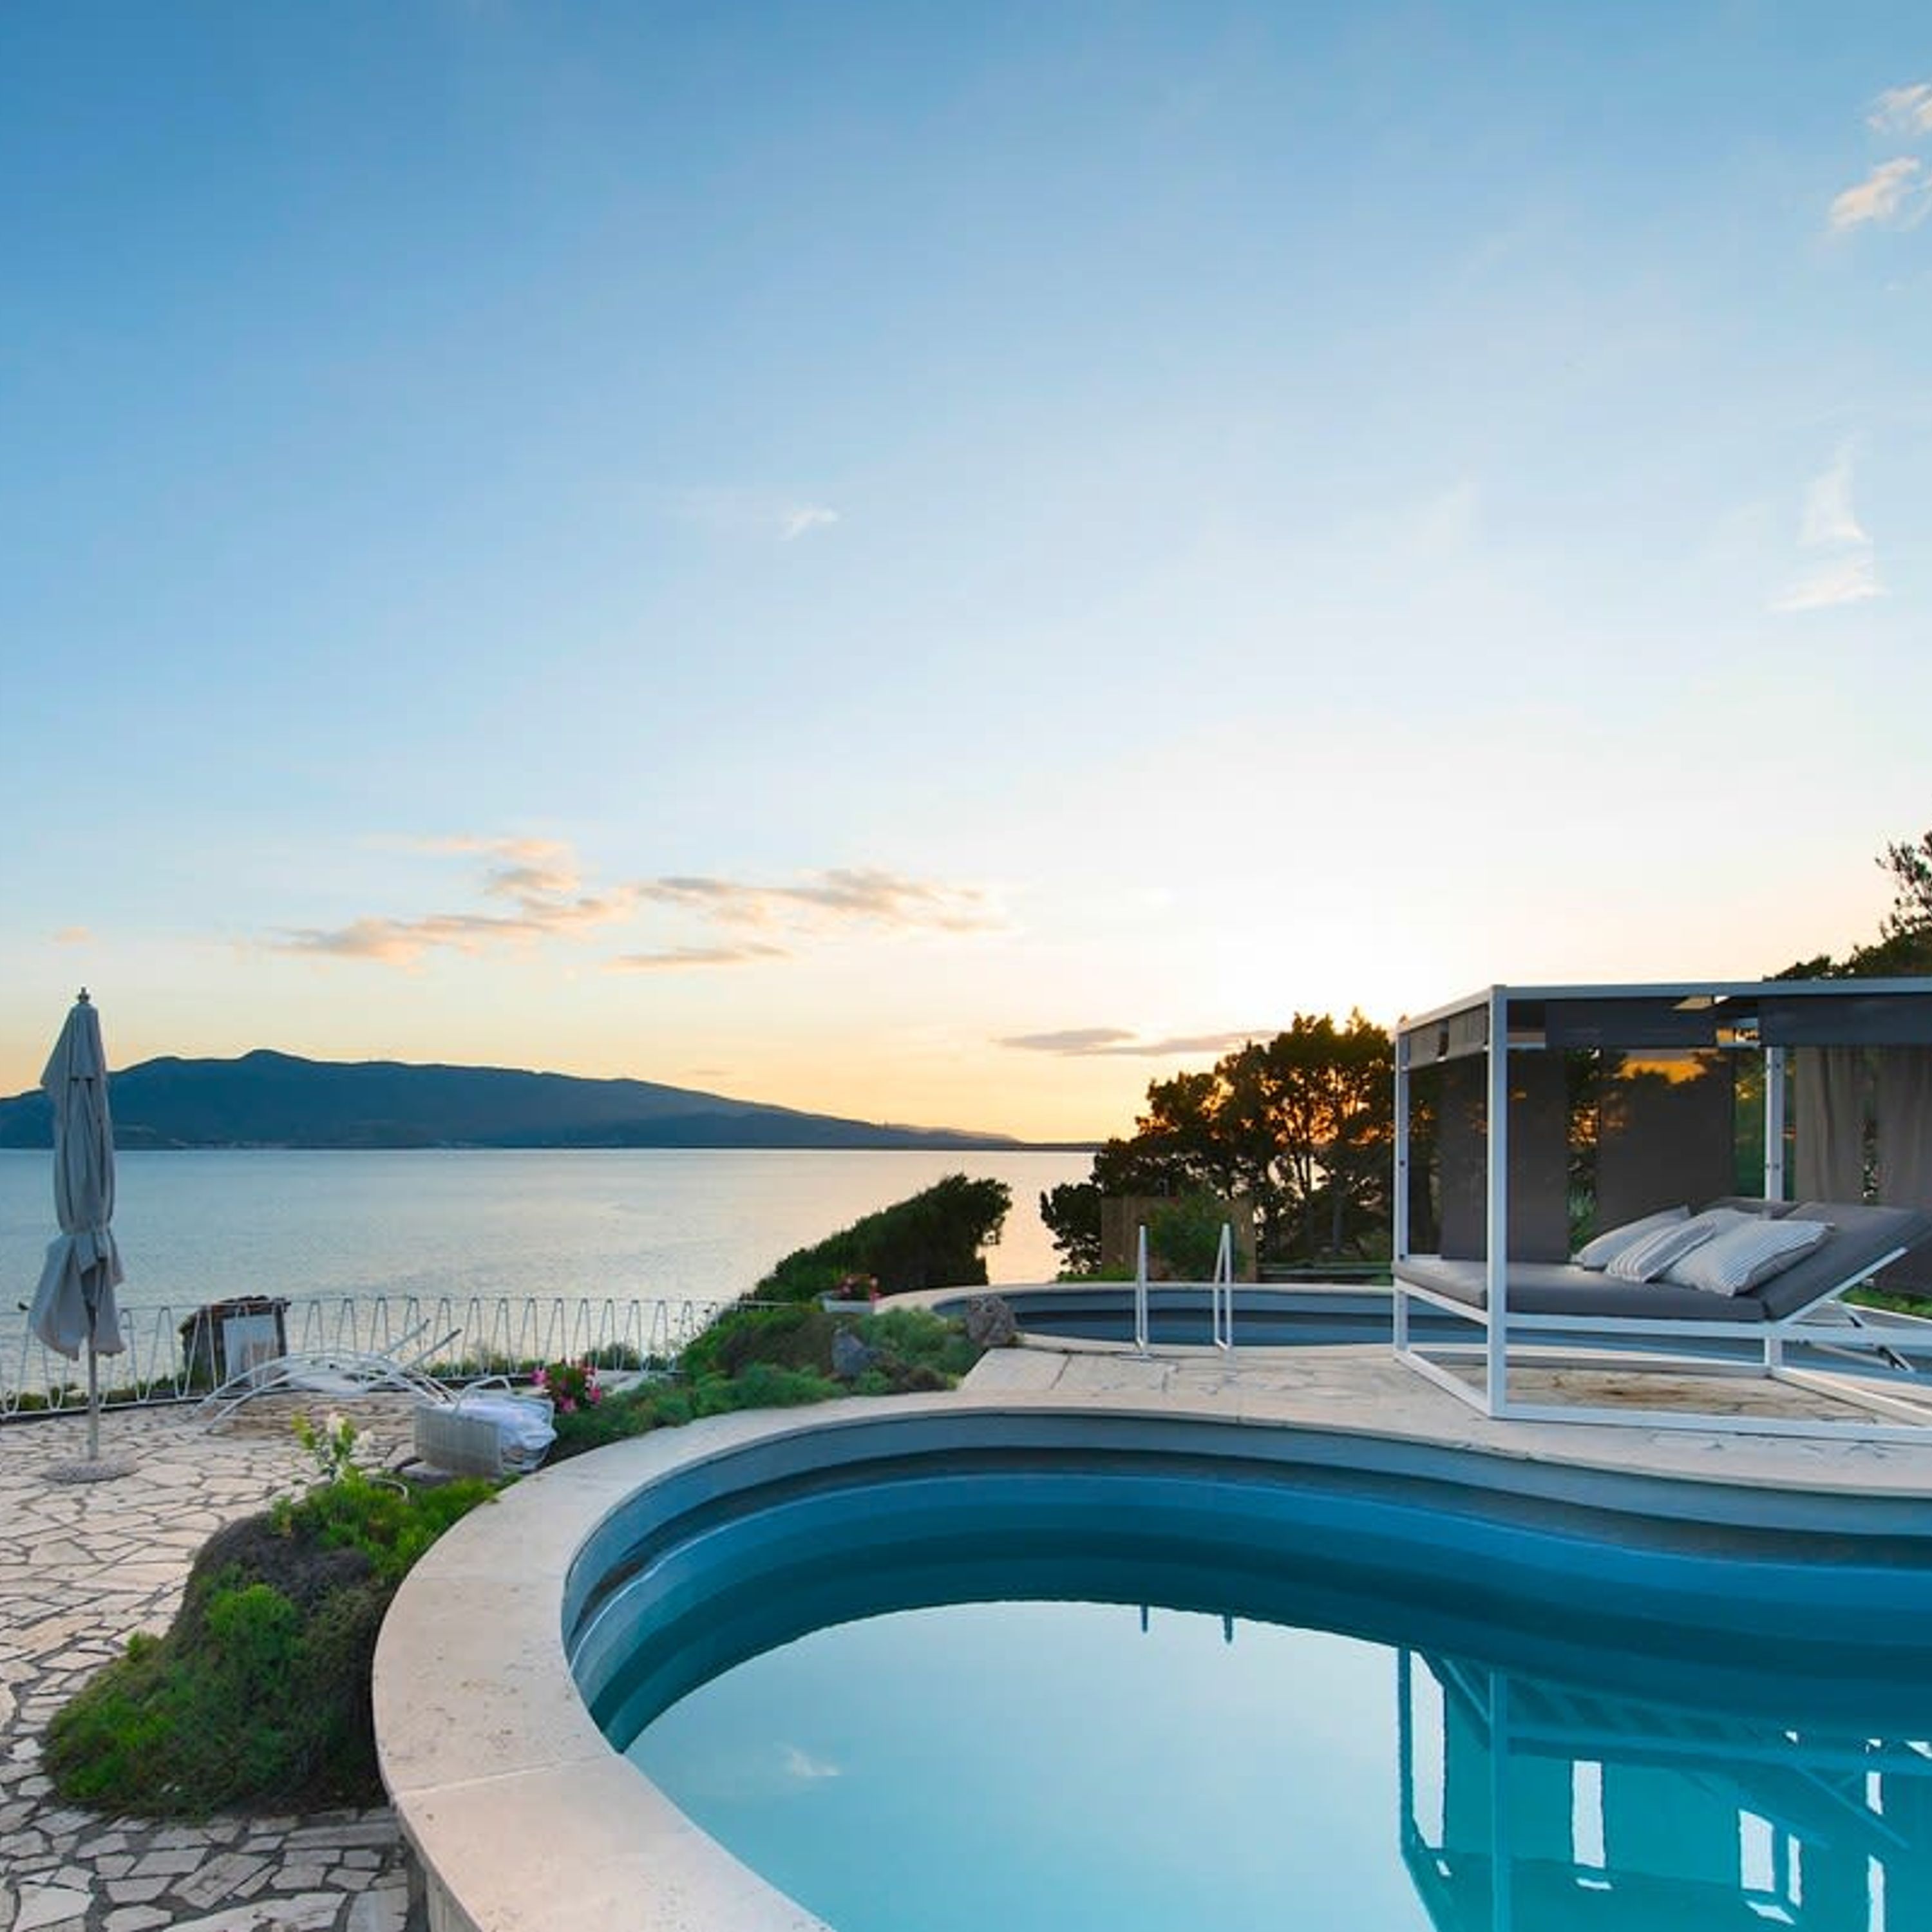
x,y
1861,1240
1523,1108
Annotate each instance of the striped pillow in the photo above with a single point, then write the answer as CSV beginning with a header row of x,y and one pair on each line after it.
x,y
1740,1257
1648,1259
1612,1241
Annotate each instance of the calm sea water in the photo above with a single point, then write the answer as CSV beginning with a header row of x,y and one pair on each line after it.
x,y
206,1224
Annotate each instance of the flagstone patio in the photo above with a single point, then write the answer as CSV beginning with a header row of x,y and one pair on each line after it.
x,y
83,1565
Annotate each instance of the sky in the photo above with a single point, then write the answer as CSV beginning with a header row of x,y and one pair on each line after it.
x,y
939,562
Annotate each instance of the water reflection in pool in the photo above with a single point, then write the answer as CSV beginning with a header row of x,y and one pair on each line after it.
x,y
1030,1765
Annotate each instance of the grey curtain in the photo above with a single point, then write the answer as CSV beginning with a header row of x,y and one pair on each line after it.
x,y
1666,1135
1539,1221
1904,1110
1832,1099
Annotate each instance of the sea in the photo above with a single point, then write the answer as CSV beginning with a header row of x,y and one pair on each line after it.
x,y
199,1225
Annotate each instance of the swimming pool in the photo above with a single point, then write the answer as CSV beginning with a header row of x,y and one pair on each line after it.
x,y
1550,1634
819,1673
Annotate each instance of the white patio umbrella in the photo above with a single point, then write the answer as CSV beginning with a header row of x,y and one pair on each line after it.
x,y
74,1306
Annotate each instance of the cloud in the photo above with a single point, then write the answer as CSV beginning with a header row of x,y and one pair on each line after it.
x,y
805,1768
540,878
803,516
74,935
1845,568
1892,193
537,892
750,516
1829,518
1850,582
682,958
841,895
1072,1039
400,942
1446,524
519,851
1112,1042
1905,111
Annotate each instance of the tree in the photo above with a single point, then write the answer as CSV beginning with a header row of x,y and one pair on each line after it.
x,y
1905,935
1071,1213
1903,946
1300,1126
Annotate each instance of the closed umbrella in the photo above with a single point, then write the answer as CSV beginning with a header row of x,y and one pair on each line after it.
x,y
74,1306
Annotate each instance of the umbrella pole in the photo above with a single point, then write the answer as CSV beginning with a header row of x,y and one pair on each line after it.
x,y
93,1403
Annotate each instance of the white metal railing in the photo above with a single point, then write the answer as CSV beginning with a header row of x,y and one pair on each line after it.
x,y
168,1357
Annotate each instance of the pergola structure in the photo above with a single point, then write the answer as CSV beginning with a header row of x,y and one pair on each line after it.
x,y
1845,1069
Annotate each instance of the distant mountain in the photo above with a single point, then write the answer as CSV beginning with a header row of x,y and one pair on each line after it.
x,y
274,1099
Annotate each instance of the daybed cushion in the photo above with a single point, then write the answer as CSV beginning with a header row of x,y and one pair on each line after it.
x,y
1743,1256
1558,1287
1599,1253
1860,1237
1755,1204
1652,1256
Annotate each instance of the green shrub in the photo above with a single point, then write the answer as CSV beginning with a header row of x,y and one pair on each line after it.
x,y
777,1358
933,1240
258,1696
1186,1233
915,1339
388,1524
796,1335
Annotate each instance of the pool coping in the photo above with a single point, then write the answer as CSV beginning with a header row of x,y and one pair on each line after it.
x,y
523,1815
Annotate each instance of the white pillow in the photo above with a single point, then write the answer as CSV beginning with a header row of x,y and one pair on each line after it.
x,y
1650,1255
1740,1257
1599,1253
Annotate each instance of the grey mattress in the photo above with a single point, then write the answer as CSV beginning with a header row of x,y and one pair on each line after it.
x,y
1861,1237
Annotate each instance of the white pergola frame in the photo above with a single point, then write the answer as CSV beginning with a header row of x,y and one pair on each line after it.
x,y
1474,1025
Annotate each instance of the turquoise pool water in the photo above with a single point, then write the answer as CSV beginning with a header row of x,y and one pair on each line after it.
x,y
1196,1698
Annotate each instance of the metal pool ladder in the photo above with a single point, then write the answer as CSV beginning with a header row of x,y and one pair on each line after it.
x,y
1220,1292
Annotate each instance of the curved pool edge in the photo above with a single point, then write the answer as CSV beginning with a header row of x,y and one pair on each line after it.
x,y
524,1817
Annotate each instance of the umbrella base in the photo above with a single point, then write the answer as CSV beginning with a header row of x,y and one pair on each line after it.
x,y
102,1471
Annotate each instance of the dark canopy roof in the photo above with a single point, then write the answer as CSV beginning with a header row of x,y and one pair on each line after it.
x,y
1694,1013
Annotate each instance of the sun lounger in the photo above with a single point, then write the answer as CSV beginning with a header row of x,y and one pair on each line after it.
x,y
343,1372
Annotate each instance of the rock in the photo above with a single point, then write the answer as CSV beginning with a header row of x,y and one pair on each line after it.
x,y
850,1356
990,1323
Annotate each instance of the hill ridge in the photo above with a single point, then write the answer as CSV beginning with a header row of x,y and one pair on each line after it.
x,y
266,1097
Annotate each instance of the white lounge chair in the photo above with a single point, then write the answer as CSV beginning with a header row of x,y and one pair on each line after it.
x,y
343,1372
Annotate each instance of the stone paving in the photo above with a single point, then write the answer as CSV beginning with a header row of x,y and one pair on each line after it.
x,y
83,1565
1363,1386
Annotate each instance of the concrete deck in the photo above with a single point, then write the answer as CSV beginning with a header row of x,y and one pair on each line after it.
x,y
1365,1388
